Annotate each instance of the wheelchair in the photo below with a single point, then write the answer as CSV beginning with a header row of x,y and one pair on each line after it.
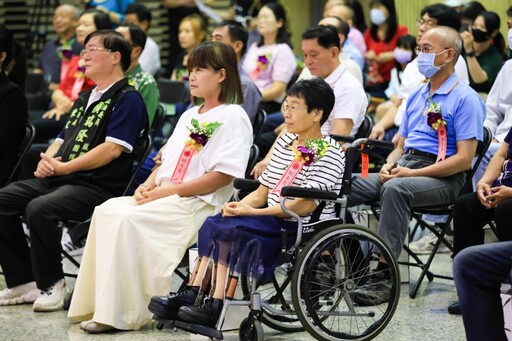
x,y
317,285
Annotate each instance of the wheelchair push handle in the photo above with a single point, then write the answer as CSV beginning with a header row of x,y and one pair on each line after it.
x,y
369,143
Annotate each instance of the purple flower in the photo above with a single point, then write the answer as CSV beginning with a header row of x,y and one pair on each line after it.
x,y
307,155
68,54
433,117
199,138
263,59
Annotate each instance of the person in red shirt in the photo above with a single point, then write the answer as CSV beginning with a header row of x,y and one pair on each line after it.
x,y
380,41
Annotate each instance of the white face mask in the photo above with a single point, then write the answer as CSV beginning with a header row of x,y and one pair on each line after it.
x,y
377,16
510,38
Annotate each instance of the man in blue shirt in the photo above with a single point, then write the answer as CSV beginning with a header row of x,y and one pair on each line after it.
x,y
412,176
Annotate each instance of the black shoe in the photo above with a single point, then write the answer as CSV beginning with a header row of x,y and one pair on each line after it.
x,y
206,314
375,291
167,306
454,308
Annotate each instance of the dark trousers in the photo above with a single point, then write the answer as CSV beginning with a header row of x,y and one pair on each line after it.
x,y
478,272
470,216
43,202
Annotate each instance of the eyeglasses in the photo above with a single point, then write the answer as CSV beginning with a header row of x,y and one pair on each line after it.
x,y
428,23
92,49
427,49
291,109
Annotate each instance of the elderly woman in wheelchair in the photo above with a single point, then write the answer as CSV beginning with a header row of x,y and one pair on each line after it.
x,y
302,158
303,181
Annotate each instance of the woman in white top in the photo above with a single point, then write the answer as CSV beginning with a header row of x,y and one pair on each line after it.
x,y
135,243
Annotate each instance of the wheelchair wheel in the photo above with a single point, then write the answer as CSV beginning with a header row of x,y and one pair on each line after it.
x,y
276,300
332,284
251,330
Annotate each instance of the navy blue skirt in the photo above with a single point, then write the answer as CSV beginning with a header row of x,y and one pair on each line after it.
x,y
240,233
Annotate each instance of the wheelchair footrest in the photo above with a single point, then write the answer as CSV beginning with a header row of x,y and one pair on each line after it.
x,y
200,329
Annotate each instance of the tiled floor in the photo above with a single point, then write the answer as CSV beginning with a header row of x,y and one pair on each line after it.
x,y
422,318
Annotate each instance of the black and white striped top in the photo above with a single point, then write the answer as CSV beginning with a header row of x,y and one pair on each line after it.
x,y
325,174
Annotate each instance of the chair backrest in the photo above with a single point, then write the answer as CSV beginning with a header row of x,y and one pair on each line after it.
x,y
365,128
481,149
158,120
172,92
141,152
253,158
24,146
37,92
259,122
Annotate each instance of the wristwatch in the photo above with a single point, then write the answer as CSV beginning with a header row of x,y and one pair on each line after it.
x,y
471,54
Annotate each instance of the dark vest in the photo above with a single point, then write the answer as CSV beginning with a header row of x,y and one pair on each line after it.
x,y
87,129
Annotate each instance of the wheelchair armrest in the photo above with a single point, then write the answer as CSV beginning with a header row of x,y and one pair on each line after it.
x,y
246,184
308,193
342,138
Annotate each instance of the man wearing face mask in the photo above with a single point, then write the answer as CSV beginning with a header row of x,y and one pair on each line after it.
x,y
430,17
424,167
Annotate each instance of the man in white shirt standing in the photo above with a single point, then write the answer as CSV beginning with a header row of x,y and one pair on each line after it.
x,y
139,15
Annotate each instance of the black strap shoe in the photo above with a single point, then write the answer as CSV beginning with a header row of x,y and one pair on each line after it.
x,y
454,309
206,314
167,306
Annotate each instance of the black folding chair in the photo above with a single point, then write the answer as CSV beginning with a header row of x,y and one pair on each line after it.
x,y
23,148
37,92
259,122
417,214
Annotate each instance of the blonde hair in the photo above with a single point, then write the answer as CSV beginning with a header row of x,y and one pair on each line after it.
x,y
198,26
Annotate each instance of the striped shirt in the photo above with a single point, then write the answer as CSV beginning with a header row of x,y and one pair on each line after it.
x,y
324,174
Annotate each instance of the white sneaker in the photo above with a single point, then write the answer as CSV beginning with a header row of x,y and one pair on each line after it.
x,y
24,293
53,298
425,245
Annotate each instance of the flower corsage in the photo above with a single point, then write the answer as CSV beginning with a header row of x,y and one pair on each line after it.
x,y
200,133
311,152
436,121
80,70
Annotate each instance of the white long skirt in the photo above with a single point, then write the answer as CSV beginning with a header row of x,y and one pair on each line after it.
x,y
130,254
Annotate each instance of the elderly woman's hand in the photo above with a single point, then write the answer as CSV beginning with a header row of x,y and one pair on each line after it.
x,y
232,209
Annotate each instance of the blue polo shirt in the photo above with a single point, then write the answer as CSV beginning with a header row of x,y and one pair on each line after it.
x,y
461,107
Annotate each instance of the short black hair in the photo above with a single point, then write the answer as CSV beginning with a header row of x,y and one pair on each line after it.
x,y
509,12
141,11
236,31
472,10
326,35
138,36
101,19
341,26
316,93
445,15
115,42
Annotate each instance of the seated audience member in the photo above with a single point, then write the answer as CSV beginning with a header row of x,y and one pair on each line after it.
x,y
142,81
380,41
75,81
478,272
259,216
88,163
114,8
14,112
270,62
431,16
139,15
116,281
320,47
499,116
191,33
351,65
354,36
420,171
484,48
56,54
468,13
405,52
509,35
491,201
235,35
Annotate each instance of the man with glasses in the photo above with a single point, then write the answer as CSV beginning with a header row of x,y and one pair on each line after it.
x,y
89,162
431,16
438,137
